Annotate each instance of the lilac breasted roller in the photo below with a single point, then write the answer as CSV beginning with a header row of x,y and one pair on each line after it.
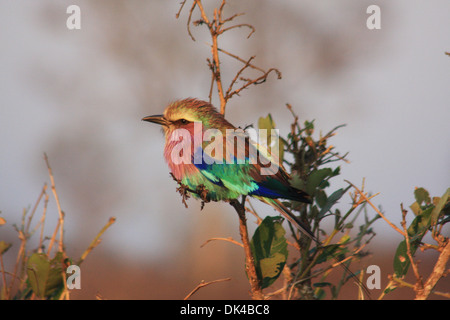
x,y
236,167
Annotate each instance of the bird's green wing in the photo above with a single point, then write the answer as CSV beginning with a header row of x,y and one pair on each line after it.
x,y
242,167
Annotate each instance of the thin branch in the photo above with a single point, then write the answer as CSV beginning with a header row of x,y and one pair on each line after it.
x,y
334,265
213,77
403,283
189,20
181,8
375,208
2,270
232,17
229,239
214,30
43,192
252,28
58,205
241,60
253,212
419,282
204,284
228,94
218,76
53,238
23,236
250,268
219,18
96,240
256,81
42,223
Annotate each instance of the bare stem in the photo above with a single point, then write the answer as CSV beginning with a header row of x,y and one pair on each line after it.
x,y
2,270
250,268
204,284
229,239
376,209
96,240
60,212
419,282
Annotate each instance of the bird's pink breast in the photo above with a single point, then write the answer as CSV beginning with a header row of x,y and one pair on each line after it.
x,y
180,163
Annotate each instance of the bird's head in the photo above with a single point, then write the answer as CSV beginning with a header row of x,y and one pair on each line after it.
x,y
182,114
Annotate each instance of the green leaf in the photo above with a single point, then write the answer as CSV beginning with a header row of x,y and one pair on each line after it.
x,y
439,207
337,218
322,284
313,212
328,252
270,267
344,239
4,246
389,289
316,178
38,268
336,171
268,124
320,294
321,198
331,201
348,226
269,249
415,207
309,127
416,231
55,283
44,275
281,152
401,260
296,182
420,224
422,195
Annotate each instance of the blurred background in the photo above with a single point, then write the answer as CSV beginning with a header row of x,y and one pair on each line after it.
x,y
79,95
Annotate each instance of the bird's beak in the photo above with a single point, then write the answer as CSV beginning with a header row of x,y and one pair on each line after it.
x,y
158,119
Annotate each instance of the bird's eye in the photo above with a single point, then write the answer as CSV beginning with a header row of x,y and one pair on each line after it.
x,y
184,121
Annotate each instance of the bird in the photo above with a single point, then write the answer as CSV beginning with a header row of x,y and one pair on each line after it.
x,y
226,172
229,172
